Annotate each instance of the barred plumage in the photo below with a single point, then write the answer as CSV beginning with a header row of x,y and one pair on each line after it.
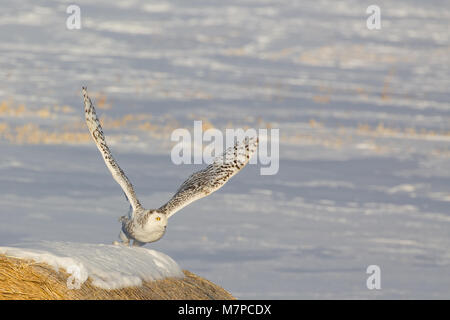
x,y
144,225
96,131
213,177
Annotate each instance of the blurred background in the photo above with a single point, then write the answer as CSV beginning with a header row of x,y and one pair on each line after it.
x,y
364,121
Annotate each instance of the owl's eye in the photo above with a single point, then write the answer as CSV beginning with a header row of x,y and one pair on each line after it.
x,y
158,218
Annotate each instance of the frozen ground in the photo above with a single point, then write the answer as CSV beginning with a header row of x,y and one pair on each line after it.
x,y
363,116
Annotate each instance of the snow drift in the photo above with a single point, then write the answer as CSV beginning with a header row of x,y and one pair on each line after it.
x,y
108,266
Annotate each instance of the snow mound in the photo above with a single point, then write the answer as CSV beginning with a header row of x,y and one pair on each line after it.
x,y
108,266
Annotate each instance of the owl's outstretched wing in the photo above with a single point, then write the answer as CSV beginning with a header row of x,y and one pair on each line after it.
x,y
97,134
213,177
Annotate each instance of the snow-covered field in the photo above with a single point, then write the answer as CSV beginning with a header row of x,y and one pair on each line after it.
x,y
364,121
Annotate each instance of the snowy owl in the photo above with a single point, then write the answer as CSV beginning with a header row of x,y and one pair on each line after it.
x,y
149,225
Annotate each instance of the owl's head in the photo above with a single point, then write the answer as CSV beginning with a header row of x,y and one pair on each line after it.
x,y
154,226
156,218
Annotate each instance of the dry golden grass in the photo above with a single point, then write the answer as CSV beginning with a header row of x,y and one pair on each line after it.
x,y
101,101
10,109
6,109
346,56
30,133
382,131
28,280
